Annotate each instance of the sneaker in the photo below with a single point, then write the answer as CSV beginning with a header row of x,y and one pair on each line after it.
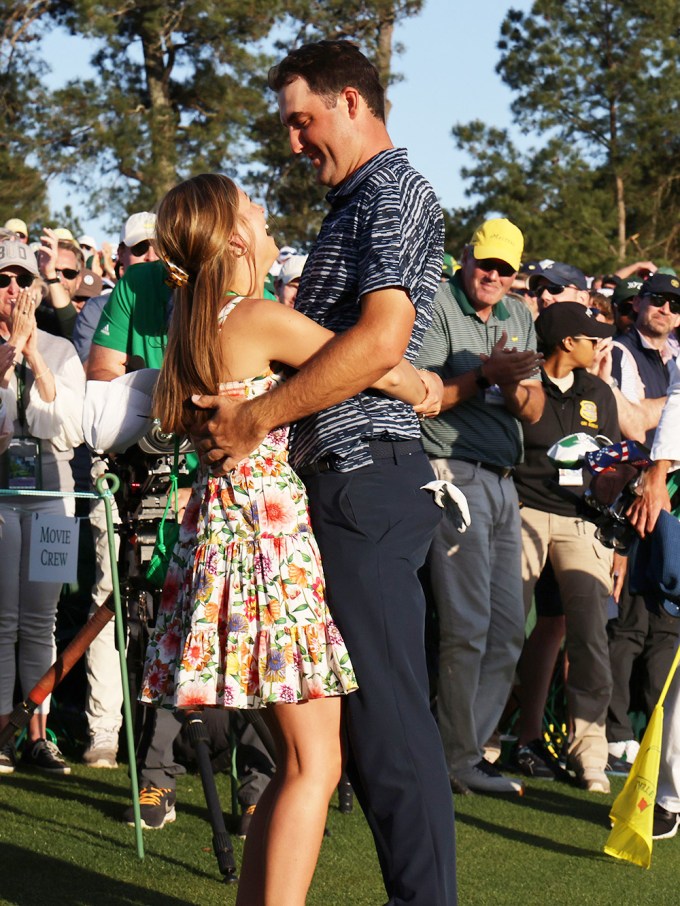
x,y
594,781
244,821
665,823
534,760
621,757
485,777
101,752
8,758
157,808
44,755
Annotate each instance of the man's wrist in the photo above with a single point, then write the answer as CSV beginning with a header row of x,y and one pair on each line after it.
x,y
480,378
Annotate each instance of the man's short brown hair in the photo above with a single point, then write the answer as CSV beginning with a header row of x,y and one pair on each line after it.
x,y
328,67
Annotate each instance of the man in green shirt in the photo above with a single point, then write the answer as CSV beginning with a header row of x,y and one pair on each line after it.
x,y
483,346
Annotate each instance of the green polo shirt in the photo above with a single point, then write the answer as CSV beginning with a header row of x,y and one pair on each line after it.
x,y
135,318
135,321
481,428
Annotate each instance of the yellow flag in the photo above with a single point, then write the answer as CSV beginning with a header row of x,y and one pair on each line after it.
x,y
633,811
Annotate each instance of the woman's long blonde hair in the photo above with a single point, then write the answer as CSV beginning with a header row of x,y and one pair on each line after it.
x,y
196,221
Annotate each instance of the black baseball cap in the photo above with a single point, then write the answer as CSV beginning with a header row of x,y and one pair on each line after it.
x,y
569,319
661,283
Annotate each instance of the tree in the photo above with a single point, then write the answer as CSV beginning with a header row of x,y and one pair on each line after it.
x,y
23,190
600,83
288,184
172,98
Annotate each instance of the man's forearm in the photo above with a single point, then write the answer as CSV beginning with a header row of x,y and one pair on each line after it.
x,y
524,401
345,366
459,389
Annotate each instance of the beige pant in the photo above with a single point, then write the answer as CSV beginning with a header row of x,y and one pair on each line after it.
x,y
582,567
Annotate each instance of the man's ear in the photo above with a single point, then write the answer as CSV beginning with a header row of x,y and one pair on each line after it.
x,y
567,343
353,100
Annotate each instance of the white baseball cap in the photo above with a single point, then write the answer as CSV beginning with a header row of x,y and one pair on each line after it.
x,y
17,254
291,269
89,241
137,228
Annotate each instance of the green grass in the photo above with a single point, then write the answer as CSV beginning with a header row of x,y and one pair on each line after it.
x,y
62,842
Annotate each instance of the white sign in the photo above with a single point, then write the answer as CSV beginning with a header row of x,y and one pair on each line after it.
x,y
54,549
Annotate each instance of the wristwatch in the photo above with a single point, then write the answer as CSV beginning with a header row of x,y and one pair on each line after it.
x,y
52,281
480,380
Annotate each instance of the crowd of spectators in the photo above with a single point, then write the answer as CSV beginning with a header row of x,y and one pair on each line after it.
x,y
529,352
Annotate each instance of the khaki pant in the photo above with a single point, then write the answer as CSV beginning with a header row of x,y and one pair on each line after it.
x,y
582,567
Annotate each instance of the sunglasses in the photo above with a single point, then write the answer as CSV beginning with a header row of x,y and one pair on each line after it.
x,y
593,340
67,272
555,289
491,264
140,248
22,280
659,301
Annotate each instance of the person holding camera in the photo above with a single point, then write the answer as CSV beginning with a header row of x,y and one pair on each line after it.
x,y
42,387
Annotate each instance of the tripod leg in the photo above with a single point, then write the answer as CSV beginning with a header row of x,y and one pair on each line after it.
x,y
23,712
198,736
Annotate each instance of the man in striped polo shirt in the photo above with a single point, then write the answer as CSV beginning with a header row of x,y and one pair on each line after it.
x,y
371,278
482,344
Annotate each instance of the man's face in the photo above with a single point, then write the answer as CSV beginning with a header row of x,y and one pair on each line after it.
x,y
656,321
323,134
288,294
68,271
624,315
136,254
485,281
548,293
17,279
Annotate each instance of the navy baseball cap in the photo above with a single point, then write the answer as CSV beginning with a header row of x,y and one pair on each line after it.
x,y
559,273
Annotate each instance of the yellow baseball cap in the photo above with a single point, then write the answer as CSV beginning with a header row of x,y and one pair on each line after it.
x,y
498,238
17,226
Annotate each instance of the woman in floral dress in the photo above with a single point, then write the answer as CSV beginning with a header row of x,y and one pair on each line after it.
x,y
243,621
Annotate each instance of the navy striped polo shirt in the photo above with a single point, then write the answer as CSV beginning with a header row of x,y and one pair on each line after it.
x,y
385,229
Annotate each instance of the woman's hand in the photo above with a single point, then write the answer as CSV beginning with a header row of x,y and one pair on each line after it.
x,y
48,253
22,322
7,356
602,361
431,404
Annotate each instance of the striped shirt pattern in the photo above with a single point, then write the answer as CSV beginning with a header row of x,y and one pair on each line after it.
x,y
385,229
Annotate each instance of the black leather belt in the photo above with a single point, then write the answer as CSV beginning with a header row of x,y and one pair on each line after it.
x,y
501,471
379,449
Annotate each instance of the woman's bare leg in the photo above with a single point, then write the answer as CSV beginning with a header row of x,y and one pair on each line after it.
x,y
285,836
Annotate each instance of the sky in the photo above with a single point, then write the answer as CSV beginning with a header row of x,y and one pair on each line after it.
x,y
449,74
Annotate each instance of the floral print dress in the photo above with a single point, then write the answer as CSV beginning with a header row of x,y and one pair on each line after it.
x,y
243,620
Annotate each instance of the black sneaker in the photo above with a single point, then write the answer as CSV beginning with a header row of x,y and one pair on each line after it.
x,y
156,806
485,777
618,767
665,823
45,756
535,760
8,758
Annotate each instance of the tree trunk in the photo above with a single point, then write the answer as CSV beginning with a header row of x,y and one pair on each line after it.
x,y
162,170
621,216
384,55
